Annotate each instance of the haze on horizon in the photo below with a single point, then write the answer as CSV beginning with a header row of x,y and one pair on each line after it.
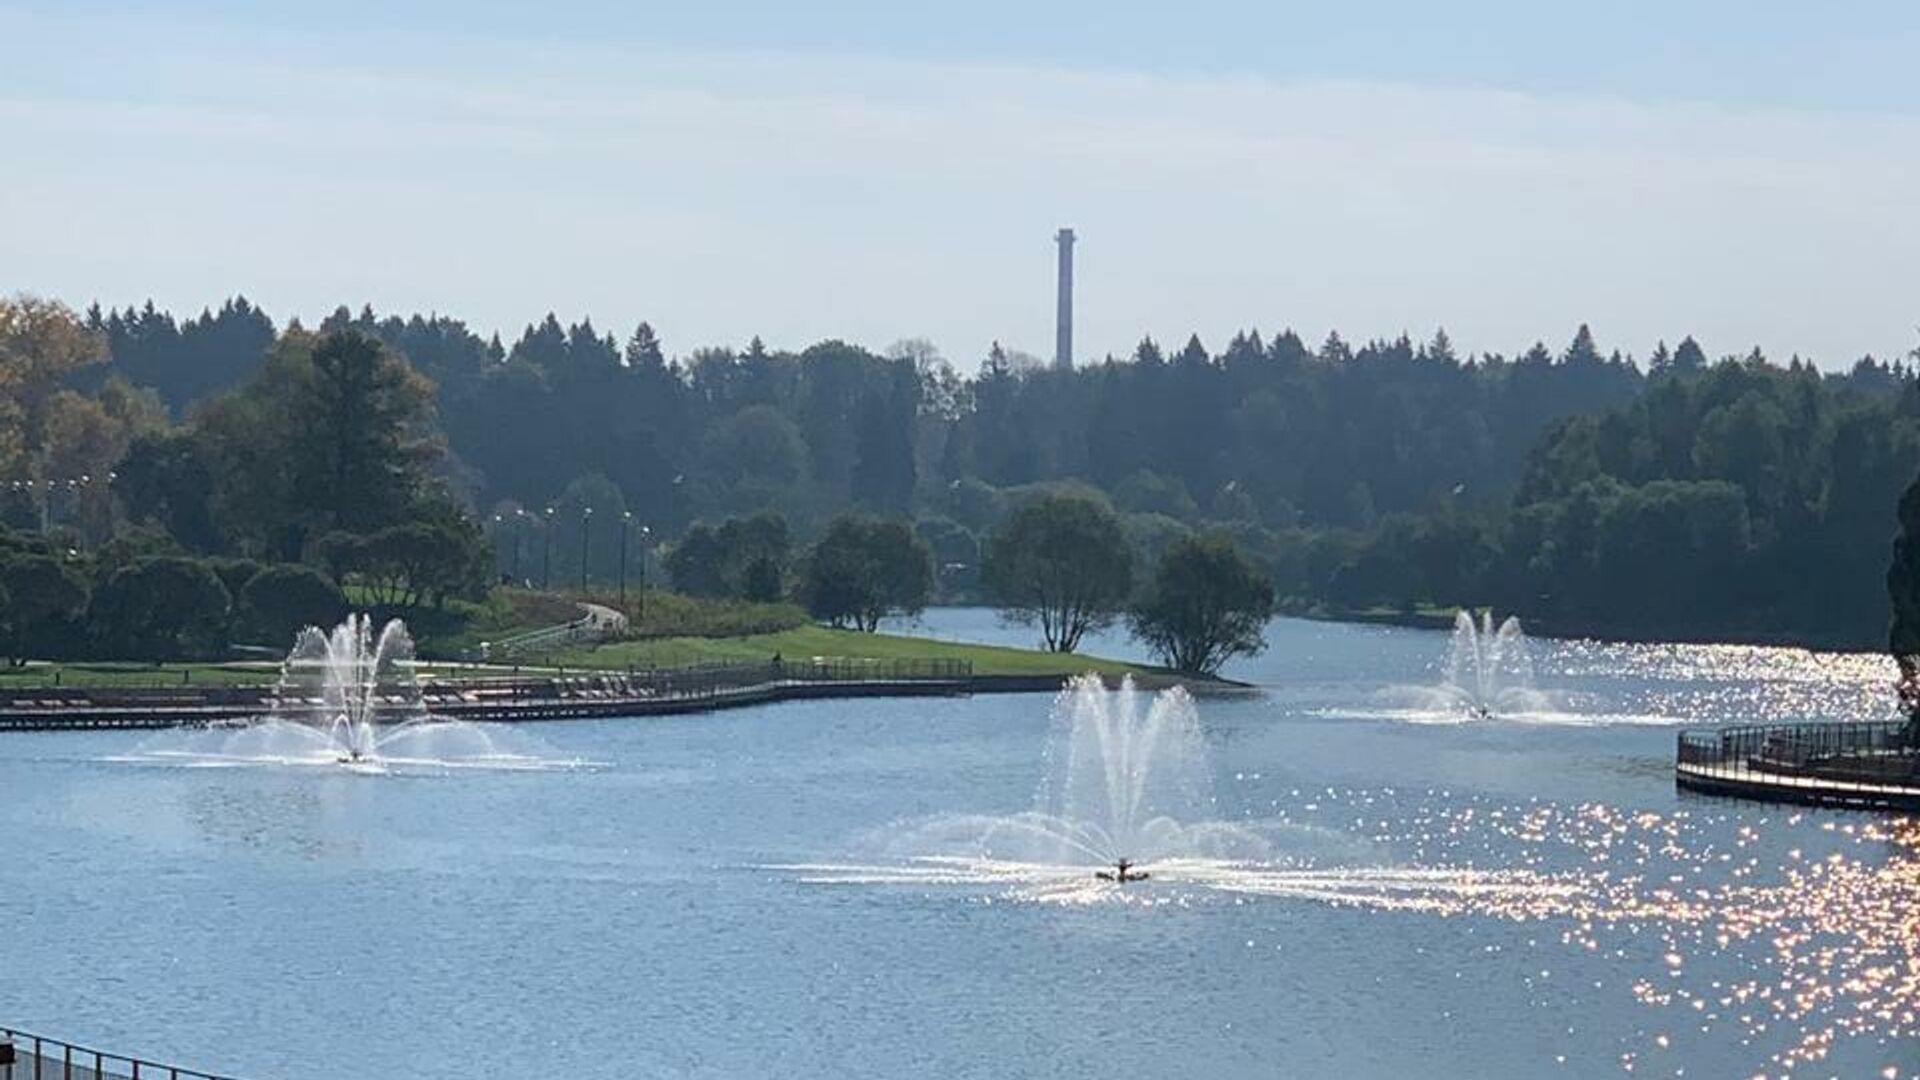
x,y
1741,172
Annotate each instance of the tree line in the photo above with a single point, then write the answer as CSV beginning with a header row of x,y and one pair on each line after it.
x,y
1059,564
1672,495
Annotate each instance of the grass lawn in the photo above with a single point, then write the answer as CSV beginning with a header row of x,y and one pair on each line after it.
x,y
807,642
90,674
104,673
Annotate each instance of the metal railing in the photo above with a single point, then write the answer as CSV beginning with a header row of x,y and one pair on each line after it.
x,y
851,669
1883,751
525,693
36,1057
706,680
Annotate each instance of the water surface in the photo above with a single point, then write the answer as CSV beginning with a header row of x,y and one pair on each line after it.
x,y
1506,899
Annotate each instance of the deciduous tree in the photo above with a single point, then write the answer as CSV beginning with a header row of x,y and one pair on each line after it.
x,y
1061,562
1206,604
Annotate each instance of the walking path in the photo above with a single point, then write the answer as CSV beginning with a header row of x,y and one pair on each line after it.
x,y
597,623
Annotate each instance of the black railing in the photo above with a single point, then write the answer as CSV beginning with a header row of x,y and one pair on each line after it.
x,y
705,680
1850,752
26,1056
552,693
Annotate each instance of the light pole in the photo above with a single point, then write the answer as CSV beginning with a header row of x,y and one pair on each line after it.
x,y
497,519
626,526
586,519
546,552
645,546
519,531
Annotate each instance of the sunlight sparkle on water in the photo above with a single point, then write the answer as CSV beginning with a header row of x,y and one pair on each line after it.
x,y
1796,952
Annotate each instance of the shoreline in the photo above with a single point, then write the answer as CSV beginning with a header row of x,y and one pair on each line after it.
x,y
585,697
1547,627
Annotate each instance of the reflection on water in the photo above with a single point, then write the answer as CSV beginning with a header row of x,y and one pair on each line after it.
x,y
801,890
1792,957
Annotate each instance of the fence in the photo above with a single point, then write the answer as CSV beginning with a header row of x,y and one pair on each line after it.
x,y
533,694
1852,752
598,624
26,1056
698,680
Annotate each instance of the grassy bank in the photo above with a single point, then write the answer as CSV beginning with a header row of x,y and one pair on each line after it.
x,y
799,643
806,642
110,674
107,674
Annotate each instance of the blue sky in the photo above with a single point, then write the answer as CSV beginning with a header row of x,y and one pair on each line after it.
x,y
1743,172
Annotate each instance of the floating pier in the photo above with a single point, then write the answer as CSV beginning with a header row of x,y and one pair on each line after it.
x,y
1864,765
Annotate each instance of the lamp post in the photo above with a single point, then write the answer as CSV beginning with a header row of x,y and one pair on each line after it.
x,y
626,526
546,552
495,537
519,531
645,546
586,519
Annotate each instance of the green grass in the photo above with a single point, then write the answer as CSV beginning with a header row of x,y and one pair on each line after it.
x,y
670,615
105,674
801,643
807,642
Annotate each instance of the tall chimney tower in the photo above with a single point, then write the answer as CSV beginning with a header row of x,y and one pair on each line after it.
x,y
1063,314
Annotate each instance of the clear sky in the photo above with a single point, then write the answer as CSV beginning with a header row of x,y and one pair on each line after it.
x,y
1746,172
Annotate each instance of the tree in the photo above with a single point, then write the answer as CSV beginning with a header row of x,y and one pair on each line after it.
x,y
363,417
1207,603
43,344
697,564
169,608
336,433
761,581
44,596
422,562
757,448
280,600
883,468
865,569
719,561
1062,562
1903,587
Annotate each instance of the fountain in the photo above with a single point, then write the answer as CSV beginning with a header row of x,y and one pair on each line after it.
x,y
1125,786
349,697
1489,670
351,684
1122,778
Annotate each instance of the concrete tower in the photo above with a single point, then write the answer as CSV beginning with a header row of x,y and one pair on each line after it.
x,y
1063,313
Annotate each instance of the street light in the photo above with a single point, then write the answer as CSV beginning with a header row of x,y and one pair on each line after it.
x,y
586,518
519,531
645,546
626,526
546,552
496,540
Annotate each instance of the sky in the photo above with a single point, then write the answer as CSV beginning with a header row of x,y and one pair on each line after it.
x,y
1744,172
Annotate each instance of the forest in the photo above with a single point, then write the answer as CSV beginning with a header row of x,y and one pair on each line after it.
x,y
1674,495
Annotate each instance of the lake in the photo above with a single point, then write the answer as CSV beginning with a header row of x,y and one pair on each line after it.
x,y
726,895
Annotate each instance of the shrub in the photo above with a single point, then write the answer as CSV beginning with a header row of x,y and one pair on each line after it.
x,y
279,600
